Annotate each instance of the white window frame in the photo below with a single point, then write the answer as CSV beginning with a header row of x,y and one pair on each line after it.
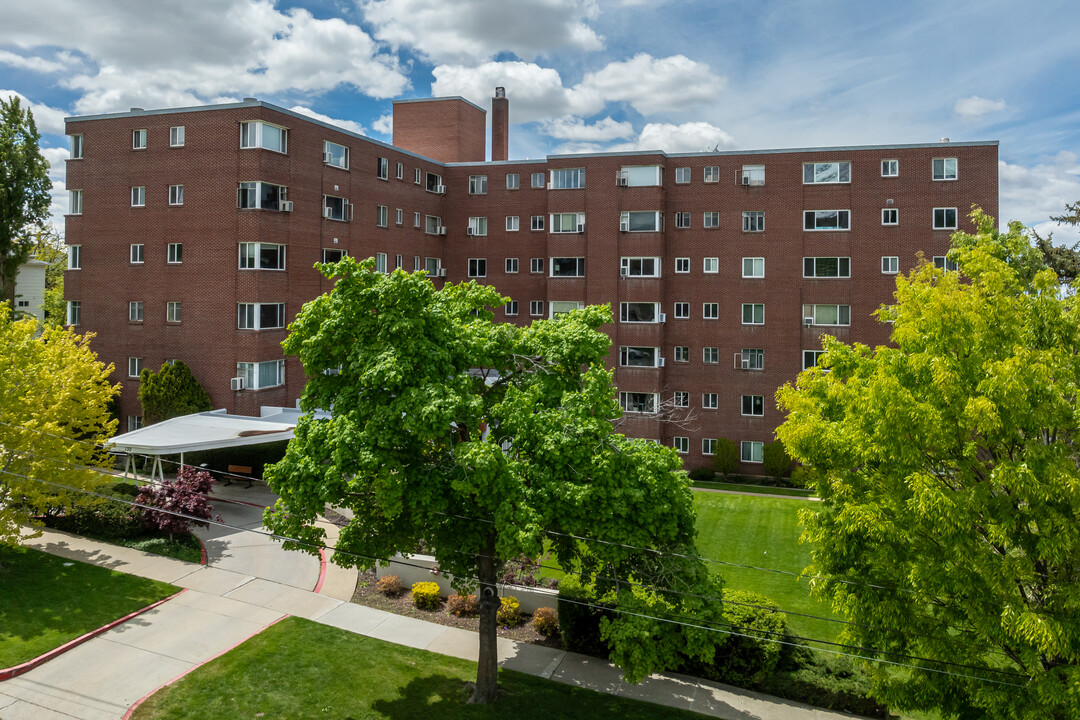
x,y
537,181
810,312
753,313
382,168
536,266
708,446
176,195
536,308
682,175
682,220
76,148
138,196
567,179
749,450
626,353
843,220
513,181
255,132
760,400
511,308
945,218
890,264
74,313
176,136
74,257
710,355
710,265
478,184
944,174
890,216
682,353
536,223
711,174
331,155
333,255
681,444
625,315
710,220
137,253
942,262
172,311
74,202
710,311
478,226
680,399
843,268
138,139
249,196
249,316
136,311
418,176
382,216
710,401
477,268
567,222
814,356
381,263
416,219
682,265
680,310
649,408
399,171
755,265
890,167
135,367
578,263
635,267
641,175
399,216
752,175
256,249
625,224
755,358
810,172
753,221
511,266
513,222
251,372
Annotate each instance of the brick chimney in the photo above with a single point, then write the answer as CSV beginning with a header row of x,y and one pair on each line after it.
x,y
500,125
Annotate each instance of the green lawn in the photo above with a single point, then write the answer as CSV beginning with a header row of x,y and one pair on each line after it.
x,y
301,669
763,532
46,601
760,489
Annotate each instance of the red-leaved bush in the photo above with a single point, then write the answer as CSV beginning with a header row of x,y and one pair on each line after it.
x,y
186,495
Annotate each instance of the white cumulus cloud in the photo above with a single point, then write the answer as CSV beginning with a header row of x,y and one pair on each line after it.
x,y
688,137
974,107
1032,194
49,120
650,85
575,129
384,124
350,125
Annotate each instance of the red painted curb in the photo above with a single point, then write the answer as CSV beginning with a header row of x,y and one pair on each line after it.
x,y
202,553
29,665
322,570
144,698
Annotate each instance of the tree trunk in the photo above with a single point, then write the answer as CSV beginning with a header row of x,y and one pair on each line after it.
x,y
487,667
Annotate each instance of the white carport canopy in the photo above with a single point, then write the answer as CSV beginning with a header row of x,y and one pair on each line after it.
x,y
204,431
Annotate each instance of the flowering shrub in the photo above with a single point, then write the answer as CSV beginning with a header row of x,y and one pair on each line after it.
x,y
509,612
425,595
546,621
390,585
462,605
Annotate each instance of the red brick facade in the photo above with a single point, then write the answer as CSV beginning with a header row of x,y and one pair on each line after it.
x,y
444,129
208,283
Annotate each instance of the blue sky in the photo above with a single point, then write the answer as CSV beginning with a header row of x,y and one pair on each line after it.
x,y
591,75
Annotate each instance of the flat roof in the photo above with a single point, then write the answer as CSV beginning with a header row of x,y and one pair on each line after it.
x,y
208,431
437,99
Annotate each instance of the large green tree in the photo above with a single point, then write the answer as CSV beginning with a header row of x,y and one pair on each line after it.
x,y
947,466
24,190
53,410
171,392
474,439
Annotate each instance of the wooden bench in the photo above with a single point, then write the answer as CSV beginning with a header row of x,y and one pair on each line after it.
x,y
239,472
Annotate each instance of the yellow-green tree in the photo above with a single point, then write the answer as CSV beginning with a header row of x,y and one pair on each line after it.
x,y
53,398
947,466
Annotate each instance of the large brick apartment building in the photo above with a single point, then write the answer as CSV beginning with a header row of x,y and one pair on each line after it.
x,y
193,232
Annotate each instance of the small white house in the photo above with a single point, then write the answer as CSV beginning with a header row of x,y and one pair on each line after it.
x,y
30,288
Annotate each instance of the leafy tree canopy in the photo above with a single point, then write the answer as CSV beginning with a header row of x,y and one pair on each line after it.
x,y
475,438
24,189
53,391
172,392
949,526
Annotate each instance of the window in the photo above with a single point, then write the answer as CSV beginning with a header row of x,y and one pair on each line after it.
x,y
511,308
138,139
399,216
536,308
752,175
682,219
641,222
382,168
138,196
810,358
172,312
567,179
826,220
416,263
634,402
681,399
890,168
477,226
753,267
567,267
260,195
708,446
943,263
827,314
890,216
751,451
710,311
76,147
639,312
682,265
751,359
260,316
711,265
753,221
682,353
710,355
567,222
176,136
944,218
560,307
712,173
74,312
336,155
134,422
137,253
825,173
382,216
416,219
262,256
433,183
176,194
135,311
135,366
75,202
639,357
710,401
257,134
478,184
332,255
890,264
826,267
74,257
418,175
397,262
537,222
536,265
944,168
681,310
681,445
641,176
513,181
511,265
400,171
380,262
639,267
537,180
753,314
432,266
261,374
477,267
512,222
711,220
753,405
682,175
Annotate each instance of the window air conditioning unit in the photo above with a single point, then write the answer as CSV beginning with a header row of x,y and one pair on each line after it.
x,y
442,230
551,186
440,189
581,227
236,383
623,272
624,227
660,362
441,272
468,231
286,206
327,157
662,317
623,181
808,321
327,212
746,363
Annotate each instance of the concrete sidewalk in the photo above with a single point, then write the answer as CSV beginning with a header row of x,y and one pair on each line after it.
x,y
222,607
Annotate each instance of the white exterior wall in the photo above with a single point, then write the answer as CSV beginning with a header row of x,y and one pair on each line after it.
x,y
30,288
